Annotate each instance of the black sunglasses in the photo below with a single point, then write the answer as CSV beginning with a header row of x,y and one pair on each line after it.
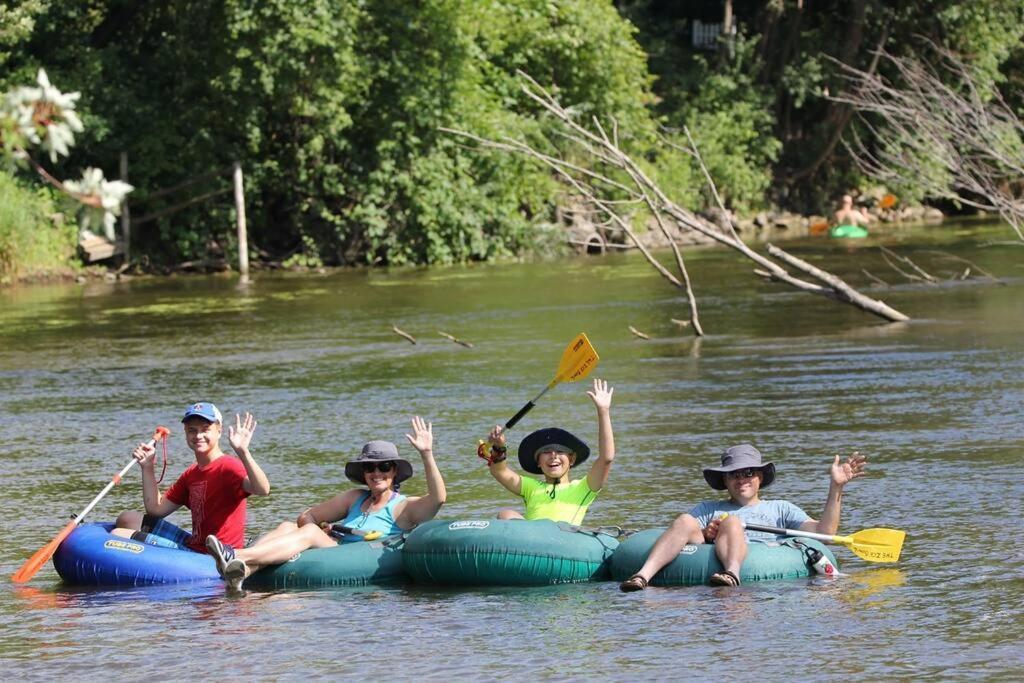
x,y
385,466
743,474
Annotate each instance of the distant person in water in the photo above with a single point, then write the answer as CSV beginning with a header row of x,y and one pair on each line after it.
x,y
721,522
375,507
214,487
553,452
847,214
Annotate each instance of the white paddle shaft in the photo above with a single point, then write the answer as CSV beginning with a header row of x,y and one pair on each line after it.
x,y
111,484
791,532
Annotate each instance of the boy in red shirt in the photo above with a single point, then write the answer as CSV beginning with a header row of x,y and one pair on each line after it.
x,y
214,488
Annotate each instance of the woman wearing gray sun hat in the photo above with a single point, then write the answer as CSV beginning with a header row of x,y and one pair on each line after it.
x,y
743,475
377,509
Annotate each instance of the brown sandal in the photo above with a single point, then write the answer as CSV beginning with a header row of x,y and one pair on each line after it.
x,y
633,583
726,578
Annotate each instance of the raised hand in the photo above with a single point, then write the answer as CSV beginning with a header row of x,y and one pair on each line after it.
x,y
601,395
422,437
843,473
241,433
497,436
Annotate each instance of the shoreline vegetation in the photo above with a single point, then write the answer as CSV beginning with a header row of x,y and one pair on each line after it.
x,y
341,115
580,239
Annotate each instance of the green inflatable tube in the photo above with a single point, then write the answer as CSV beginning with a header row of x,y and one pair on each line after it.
x,y
696,563
347,564
848,232
497,552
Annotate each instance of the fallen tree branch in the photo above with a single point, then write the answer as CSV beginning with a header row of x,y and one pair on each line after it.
x,y
404,335
839,286
875,278
972,264
927,277
455,339
614,182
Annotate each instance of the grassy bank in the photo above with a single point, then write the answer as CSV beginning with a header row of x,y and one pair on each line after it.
x,y
34,240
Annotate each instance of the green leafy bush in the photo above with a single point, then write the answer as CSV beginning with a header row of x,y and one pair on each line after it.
x,y
34,240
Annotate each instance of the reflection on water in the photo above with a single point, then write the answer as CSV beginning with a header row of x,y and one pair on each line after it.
x,y
86,371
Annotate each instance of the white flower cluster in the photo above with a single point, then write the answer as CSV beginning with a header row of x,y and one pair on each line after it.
x,y
101,199
42,116
46,117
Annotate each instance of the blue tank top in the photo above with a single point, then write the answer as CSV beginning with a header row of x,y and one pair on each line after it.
x,y
382,520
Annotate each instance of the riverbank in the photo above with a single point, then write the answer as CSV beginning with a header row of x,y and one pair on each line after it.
x,y
765,226
580,236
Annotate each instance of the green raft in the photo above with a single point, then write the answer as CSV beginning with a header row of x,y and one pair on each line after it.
x,y
497,552
696,563
847,232
347,564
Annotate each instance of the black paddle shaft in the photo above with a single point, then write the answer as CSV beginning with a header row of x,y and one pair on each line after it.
x,y
519,416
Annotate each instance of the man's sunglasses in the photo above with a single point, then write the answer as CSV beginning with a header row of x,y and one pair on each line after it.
x,y
385,466
743,474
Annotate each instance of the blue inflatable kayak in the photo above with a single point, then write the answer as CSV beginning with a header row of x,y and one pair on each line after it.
x,y
92,556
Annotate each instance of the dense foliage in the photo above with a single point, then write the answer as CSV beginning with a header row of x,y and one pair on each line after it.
x,y
780,89
34,239
334,109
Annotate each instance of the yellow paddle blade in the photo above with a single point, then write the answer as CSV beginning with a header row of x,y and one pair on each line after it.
x,y
578,360
875,545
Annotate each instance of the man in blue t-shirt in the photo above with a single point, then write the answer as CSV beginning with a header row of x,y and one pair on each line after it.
x,y
722,522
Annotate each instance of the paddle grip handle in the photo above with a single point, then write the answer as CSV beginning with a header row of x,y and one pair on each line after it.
x,y
519,416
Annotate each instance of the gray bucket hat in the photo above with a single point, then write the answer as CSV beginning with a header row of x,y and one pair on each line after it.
x,y
739,458
378,451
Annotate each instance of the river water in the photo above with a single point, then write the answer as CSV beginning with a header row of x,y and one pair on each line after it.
x,y
88,370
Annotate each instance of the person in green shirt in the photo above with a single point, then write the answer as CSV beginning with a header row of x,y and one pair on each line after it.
x,y
553,452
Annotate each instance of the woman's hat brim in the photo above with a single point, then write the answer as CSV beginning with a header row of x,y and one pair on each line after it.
x,y
715,476
545,437
377,452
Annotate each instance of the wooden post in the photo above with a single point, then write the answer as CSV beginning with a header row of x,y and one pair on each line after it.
x,y
726,35
243,240
126,218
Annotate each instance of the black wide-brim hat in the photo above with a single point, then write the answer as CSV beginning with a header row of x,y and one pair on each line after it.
x,y
532,443
739,458
378,451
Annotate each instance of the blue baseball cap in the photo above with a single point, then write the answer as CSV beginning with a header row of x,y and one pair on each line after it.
x,y
205,410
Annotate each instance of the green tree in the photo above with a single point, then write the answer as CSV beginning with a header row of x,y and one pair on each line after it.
x,y
334,110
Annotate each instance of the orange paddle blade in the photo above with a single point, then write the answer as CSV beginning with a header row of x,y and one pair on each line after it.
x,y
819,227
888,201
42,556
